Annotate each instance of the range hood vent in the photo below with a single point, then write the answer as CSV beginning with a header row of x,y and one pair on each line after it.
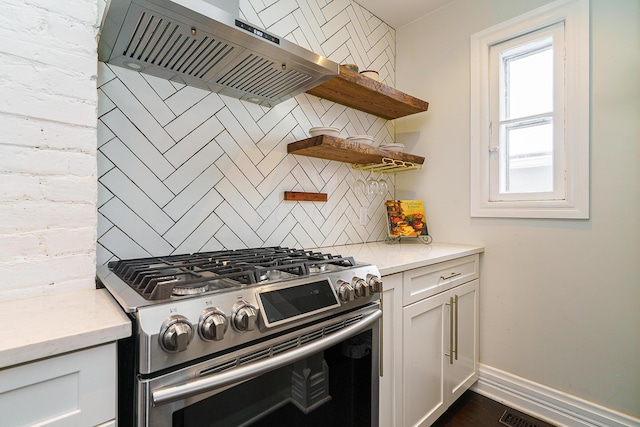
x,y
198,44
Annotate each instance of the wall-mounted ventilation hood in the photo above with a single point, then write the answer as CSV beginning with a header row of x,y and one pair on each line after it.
x,y
203,43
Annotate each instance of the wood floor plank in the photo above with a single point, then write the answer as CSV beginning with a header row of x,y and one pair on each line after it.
x,y
475,410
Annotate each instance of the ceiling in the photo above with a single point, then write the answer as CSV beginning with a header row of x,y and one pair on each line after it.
x,y
399,13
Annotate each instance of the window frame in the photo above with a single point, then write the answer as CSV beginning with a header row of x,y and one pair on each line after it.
x,y
574,14
497,158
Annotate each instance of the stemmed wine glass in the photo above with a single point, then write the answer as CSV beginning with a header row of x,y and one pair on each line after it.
x,y
383,187
372,186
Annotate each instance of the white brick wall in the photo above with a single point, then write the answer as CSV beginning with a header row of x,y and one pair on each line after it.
x,y
48,182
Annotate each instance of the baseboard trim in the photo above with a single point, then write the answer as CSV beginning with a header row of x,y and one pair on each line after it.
x,y
545,403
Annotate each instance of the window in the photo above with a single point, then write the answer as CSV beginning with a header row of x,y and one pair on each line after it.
x,y
530,115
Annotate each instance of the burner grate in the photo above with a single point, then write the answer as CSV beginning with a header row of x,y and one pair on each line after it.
x,y
159,278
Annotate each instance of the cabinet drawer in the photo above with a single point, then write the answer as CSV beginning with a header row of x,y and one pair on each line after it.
x,y
426,281
74,389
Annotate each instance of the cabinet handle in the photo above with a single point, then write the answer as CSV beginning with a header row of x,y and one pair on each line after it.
x,y
450,355
455,301
381,333
452,275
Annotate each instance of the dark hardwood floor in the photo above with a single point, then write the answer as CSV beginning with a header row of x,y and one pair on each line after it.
x,y
474,410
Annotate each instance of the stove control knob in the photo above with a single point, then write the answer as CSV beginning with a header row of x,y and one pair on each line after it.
x,y
346,292
361,287
375,284
213,325
175,334
244,317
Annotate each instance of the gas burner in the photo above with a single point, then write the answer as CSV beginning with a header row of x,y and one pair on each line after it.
x,y
275,276
317,268
189,290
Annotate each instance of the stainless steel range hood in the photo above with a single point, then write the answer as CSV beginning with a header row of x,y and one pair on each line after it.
x,y
203,43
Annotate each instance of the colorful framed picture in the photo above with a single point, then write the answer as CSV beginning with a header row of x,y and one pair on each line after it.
x,y
405,218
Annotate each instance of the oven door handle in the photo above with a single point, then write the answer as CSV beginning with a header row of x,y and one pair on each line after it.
x,y
192,388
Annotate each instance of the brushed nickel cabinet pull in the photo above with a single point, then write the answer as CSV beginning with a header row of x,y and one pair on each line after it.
x,y
450,355
455,301
381,332
453,274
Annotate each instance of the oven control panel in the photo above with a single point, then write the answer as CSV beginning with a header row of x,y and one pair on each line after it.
x,y
197,327
296,302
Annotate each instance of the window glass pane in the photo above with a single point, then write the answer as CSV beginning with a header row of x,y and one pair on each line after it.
x,y
529,79
528,159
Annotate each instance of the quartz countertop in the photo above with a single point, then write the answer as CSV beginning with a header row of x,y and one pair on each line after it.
x,y
404,255
50,325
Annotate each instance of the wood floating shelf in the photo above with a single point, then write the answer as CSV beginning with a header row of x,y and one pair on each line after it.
x,y
307,197
341,150
365,94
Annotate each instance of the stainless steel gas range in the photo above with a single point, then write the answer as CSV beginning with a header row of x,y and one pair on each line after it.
x,y
264,336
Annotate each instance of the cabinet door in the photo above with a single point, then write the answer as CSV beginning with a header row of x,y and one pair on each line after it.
x,y
425,324
464,370
391,380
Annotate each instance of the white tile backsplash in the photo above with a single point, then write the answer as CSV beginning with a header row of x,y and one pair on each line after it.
x,y
195,217
143,92
194,141
200,110
134,226
137,113
136,200
142,145
137,171
185,98
185,170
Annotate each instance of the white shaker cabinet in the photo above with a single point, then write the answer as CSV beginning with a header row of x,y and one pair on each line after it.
x,y
73,389
440,337
429,350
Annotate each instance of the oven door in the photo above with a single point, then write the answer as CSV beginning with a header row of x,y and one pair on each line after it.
x,y
325,374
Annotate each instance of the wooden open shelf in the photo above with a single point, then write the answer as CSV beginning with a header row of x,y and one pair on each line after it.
x,y
362,93
341,150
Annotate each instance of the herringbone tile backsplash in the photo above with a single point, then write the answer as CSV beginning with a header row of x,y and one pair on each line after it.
x,y
184,170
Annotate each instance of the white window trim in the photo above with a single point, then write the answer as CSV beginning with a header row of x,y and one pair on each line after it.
x,y
575,14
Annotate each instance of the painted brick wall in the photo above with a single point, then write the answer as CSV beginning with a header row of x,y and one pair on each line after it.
x,y
185,170
47,146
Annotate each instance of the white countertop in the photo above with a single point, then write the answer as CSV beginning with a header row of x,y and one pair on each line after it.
x,y
50,325
405,255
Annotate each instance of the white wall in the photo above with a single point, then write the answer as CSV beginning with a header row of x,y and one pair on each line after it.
x,y
559,298
47,147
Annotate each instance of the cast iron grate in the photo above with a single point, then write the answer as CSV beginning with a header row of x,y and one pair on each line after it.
x,y
512,420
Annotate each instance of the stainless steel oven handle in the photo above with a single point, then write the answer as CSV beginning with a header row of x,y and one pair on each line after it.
x,y
173,393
